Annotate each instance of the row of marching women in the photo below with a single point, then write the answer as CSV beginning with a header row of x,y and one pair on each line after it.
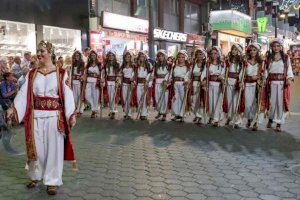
x,y
243,86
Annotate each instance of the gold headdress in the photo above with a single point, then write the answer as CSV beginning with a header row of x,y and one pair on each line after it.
x,y
47,45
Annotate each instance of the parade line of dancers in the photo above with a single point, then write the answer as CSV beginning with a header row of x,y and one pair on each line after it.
x,y
244,85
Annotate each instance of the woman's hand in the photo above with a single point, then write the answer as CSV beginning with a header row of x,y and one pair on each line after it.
x,y
73,121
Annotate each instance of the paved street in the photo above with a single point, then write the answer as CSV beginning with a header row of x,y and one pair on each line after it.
x,y
167,160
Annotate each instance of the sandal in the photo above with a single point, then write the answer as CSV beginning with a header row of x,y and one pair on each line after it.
x,y
52,190
157,116
254,128
32,184
164,118
269,125
278,128
248,123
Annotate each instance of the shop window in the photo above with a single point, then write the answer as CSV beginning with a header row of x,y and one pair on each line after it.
x,y
115,6
142,10
171,7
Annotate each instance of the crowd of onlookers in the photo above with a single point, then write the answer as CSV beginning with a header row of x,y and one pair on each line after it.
x,y
13,70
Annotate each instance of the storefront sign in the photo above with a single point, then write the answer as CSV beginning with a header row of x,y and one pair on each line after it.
x,y
230,20
169,35
196,39
262,24
121,22
124,35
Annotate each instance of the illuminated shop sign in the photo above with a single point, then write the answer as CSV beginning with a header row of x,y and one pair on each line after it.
x,y
169,35
121,22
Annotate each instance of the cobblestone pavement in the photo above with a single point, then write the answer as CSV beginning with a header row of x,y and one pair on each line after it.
x,y
168,160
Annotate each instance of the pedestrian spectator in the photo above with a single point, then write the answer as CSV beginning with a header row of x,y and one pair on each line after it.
x,y
3,67
16,67
26,60
10,61
22,79
8,89
33,62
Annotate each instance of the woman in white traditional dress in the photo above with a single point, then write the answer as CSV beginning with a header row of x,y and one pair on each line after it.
x,y
180,79
215,76
252,85
144,79
162,74
234,65
278,77
92,83
111,73
198,77
77,72
128,83
46,105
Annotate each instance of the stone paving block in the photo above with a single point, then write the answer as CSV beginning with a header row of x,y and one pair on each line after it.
x,y
269,197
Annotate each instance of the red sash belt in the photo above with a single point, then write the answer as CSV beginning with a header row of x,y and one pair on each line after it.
x,y
249,79
126,80
214,78
111,78
196,78
76,77
46,103
160,75
178,79
141,80
93,75
276,77
233,75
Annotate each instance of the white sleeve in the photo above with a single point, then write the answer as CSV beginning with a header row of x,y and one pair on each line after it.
x,y
290,69
68,97
203,74
20,101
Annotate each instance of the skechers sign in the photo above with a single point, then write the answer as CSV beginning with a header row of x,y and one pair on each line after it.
x,y
169,35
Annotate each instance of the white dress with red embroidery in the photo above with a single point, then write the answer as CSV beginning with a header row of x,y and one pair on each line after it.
x,y
162,73
180,75
128,74
49,141
277,112
92,90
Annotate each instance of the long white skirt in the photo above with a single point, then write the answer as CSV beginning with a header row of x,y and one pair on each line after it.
x,y
197,110
49,144
77,98
178,107
142,105
215,102
126,95
111,90
92,96
250,101
161,106
276,112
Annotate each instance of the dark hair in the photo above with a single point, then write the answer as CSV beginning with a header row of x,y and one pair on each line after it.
x,y
53,58
271,55
145,62
6,75
114,63
77,63
258,57
124,62
210,59
90,60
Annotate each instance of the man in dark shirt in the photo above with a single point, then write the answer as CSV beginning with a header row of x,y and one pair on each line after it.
x,y
8,89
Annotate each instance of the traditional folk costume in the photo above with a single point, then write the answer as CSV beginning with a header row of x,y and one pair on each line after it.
x,y
144,77
276,96
92,87
111,74
252,90
215,89
162,72
128,79
180,76
45,103
197,94
77,71
230,105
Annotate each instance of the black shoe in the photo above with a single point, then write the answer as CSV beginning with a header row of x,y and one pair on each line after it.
x,y
254,128
248,123
270,122
158,116
175,118
164,118
278,128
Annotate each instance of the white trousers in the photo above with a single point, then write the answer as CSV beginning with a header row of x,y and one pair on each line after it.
x,y
250,101
50,152
92,96
178,107
111,90
126,95
215,106
276,112
161,106
197,110
76,93
142,105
